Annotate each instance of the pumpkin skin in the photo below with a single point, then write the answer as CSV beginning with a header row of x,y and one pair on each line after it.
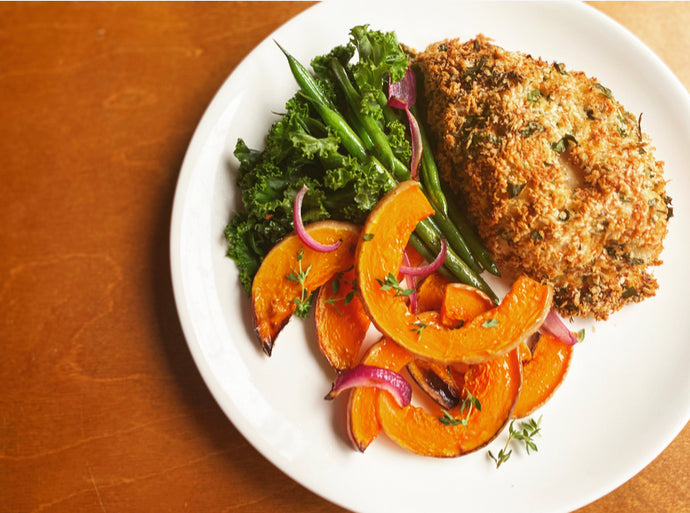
x,y
341,326
543,372
379,254
273,295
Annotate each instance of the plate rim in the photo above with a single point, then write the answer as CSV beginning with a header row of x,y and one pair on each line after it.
x,y
201,132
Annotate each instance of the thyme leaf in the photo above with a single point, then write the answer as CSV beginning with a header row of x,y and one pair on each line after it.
x,y
469,403
392,283
418,327
562,144
605,90
525,434
534,95
448,420
531,127
515,189
490,323
560,67
299,276
580,335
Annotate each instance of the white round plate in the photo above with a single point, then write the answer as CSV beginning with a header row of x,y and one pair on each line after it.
x,y
627,394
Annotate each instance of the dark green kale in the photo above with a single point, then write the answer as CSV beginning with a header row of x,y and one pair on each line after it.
x,y
301,149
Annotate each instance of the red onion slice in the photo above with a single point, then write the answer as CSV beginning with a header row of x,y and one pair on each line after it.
x,y
404,92
555,326
425,270
369,375
412,283
307,239
416,143
403,95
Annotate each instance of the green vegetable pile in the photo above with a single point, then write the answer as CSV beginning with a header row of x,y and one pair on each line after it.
x,y
339,136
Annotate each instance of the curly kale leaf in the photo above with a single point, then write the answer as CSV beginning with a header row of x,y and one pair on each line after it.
x,y
299,150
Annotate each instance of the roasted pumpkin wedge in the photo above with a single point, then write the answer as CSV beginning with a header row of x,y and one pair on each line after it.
x,y
413,256
430,292
495,384
461,303
275,289
437,381
362,421
379,256
542,373
341,321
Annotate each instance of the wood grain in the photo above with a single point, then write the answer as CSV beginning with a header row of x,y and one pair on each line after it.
x,y
102,408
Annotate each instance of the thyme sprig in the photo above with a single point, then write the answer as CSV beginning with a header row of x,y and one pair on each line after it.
x,y
526,433
392,283
469,403
303,302
447,419
418,327
347,298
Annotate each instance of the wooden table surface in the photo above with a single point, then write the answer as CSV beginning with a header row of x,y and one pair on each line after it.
x,y
102,408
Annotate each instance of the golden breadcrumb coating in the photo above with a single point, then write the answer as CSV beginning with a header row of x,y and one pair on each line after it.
x,y
556,175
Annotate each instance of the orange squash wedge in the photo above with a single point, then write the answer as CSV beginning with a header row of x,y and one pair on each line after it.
x,y
495,383
458,303
341,321
462,303
379,255
525,351
430,292
436,380
362,421
542,374
413,255
274,294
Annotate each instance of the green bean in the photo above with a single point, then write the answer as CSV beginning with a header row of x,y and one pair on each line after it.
x,y
477,255
476,246
348,137
428,171
306,81
388,113
432,238
428,232
417,243
454,237
382,147
359,129
312,91
455,240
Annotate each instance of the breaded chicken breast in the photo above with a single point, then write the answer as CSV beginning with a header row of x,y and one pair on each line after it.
x,y
556,175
